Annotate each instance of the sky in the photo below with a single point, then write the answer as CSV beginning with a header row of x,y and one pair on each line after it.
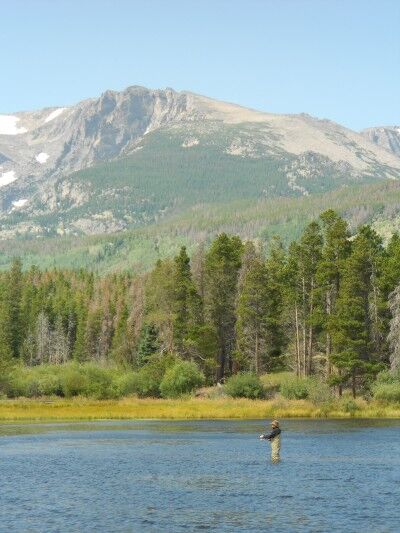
x,y
336,59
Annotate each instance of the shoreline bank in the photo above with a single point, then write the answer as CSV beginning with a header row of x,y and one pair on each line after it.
x,y
81,409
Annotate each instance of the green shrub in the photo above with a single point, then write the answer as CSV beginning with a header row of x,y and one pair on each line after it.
x,y
181,378
295,388
43,380
5,377
151,375
349,405
272,382
98,381
319,393
72,379
124,384
245,386
74,382
387,386
388,377
388,392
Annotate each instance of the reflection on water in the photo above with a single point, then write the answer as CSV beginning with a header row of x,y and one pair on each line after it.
x,y
212,475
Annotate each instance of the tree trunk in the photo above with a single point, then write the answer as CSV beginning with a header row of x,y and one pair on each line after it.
x,y
298,362
256,354
221,367
311,336
304,331
304,347
328,347
328,354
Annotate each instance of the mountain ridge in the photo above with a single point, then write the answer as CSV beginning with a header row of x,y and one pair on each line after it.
x,y
387,137
129,158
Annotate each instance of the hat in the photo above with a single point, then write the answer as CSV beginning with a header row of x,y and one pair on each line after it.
x,y
275,423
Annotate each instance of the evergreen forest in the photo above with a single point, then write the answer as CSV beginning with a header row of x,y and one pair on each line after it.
x,y
327,305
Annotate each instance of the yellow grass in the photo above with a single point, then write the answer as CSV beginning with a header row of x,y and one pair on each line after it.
x,y
193,408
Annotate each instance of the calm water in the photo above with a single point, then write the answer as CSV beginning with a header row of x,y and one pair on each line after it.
x,y
188,476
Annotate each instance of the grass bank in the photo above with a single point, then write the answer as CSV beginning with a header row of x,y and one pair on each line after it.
x,y
191,408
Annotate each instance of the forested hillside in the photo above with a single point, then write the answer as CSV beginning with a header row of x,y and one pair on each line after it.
x,y
327,305
260,220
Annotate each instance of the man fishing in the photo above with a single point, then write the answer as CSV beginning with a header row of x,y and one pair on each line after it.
x,y
275,439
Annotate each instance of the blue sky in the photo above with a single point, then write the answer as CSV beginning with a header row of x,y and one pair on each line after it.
x,y
337,59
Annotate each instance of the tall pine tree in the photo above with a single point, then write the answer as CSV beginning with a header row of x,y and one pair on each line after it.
x,y
353,326
251,325
222,267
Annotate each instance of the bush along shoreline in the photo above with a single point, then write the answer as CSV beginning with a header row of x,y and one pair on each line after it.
x,y
173,388
316,321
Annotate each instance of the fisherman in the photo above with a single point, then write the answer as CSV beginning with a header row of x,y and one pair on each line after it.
x,y
275,439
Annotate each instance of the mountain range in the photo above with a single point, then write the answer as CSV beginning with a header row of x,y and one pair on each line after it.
x,y
138,158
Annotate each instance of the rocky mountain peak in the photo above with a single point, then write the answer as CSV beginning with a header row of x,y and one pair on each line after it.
x,y
387,137
40,151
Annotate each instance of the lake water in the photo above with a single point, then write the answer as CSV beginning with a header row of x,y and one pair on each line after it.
x,y
209,475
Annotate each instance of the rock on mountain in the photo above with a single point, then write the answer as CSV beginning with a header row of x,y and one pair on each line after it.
x,y
387,136
131,157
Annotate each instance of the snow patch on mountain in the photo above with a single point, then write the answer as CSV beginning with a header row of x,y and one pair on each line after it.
x,y
8,125
7,177
42,158
20,203
54,114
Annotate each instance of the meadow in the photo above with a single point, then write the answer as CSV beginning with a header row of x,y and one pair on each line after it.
x,y
56,409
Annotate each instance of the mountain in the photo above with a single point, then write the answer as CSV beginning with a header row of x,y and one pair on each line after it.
x,y
388,137
134,158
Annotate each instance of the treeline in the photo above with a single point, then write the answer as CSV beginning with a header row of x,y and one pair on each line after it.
x,y
327,305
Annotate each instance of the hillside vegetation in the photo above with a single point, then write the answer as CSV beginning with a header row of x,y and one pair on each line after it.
x,y
137,250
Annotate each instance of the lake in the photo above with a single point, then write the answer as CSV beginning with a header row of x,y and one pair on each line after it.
x,y
200,475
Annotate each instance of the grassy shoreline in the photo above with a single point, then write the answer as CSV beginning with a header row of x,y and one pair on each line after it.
x,y
80,409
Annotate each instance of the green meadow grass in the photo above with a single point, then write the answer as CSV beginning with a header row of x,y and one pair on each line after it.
x,y
56,409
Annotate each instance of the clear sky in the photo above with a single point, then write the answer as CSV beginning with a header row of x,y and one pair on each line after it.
x,y
337,59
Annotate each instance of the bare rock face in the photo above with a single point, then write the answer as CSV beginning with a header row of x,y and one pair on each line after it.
x,y
59,141
41,150
387,137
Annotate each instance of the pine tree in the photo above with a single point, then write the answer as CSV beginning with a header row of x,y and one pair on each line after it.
x,y
6,353
336,249
13,301
302,268
394,330
93,334
122,349
293,303
160,305
198,270
223,262
43,340
79,321
187,305
353,326
251,325
148,345
276,283
59,346
391,266
389,279
30,308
